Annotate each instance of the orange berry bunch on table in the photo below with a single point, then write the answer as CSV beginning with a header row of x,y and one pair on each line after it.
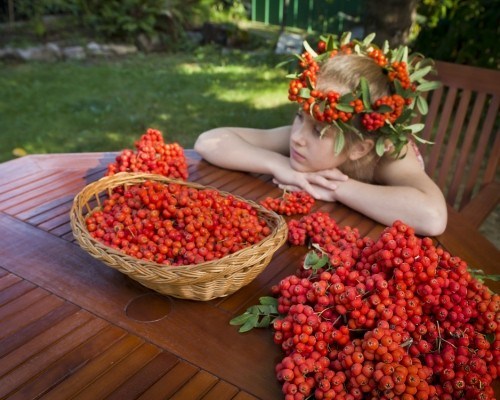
x,y
152,155
173,224
290,203
387,118
394,318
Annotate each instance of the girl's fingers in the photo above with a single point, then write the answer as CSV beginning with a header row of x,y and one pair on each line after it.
x,y
333,174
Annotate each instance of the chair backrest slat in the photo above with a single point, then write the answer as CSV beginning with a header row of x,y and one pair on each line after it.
x,y
453,137
467,146
479,156
463,124
444,121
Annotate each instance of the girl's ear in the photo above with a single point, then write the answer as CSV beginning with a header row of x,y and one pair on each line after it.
x,y
361,149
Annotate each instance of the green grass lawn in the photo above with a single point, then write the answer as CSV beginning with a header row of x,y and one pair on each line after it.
x,y
105,105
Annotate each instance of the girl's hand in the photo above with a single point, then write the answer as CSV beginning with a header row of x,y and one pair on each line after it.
x,y
318,192
321,184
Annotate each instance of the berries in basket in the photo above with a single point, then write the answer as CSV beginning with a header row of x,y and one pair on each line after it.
x,y
178,238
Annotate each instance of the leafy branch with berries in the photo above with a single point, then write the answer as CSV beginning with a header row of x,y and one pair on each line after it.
x,y
395,317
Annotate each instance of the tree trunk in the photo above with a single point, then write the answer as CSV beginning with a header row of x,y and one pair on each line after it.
x,y
390,19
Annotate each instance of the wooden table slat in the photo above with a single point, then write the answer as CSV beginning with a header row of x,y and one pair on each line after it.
x,y
171,382
221,391
68,364
145,377
196,387
62,315
17,377
7,280
102,387
94,368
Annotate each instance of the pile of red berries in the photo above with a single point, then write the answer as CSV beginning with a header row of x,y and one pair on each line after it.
x,y
152,155
290,203
175,224
392,318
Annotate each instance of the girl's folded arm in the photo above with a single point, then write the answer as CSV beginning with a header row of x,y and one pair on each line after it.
x,y
245,149
405,192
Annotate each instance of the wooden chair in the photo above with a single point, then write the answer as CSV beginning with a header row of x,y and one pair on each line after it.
x,y
463,123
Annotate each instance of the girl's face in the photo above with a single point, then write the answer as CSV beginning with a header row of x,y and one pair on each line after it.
x,y
309,150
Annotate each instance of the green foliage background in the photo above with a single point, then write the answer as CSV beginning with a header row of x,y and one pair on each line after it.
x,y
460,31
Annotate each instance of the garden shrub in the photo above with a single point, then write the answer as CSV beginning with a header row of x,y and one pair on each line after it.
x,y
460,31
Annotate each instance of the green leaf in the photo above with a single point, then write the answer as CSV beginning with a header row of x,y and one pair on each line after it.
x,y
357,49
324,130
399,54
480,275
385,47
309,83
367,40
331,43
304,93
422,105
365,92
240,319
420,73
404,57
420,140
264,322
428,85
415,128
322,262
404,116
345,38
349,127
384,108
309,49
251,323
399,88
380,146
347,98
283,63
310,259
266,309
344,107
339,142
268,300
257,316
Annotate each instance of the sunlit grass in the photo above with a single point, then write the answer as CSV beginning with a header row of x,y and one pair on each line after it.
x,y
105,105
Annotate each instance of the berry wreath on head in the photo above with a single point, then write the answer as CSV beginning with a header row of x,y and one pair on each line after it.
x,y
386,118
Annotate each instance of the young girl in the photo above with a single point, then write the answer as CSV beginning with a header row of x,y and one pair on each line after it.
x,y
350,141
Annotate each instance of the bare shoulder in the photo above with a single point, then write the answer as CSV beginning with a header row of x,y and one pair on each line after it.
x,y
407,170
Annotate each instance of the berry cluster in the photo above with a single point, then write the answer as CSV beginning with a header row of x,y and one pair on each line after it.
x,y
152,155
290,203
400,72
378,56
174,224
388,108
394,318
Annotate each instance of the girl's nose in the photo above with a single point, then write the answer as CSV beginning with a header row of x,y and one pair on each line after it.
x,y
299,135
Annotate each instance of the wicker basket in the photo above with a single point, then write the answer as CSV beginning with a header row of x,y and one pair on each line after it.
x,y
204,281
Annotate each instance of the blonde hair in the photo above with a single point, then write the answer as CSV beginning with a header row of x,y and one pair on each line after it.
x,y
342,73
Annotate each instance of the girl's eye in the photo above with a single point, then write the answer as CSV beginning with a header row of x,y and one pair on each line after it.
x,y
299,115
320,130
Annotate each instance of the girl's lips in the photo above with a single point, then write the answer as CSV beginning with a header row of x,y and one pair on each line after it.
x,y
296,156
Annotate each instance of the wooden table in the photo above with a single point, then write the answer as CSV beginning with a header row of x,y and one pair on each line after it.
x,y
70,327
